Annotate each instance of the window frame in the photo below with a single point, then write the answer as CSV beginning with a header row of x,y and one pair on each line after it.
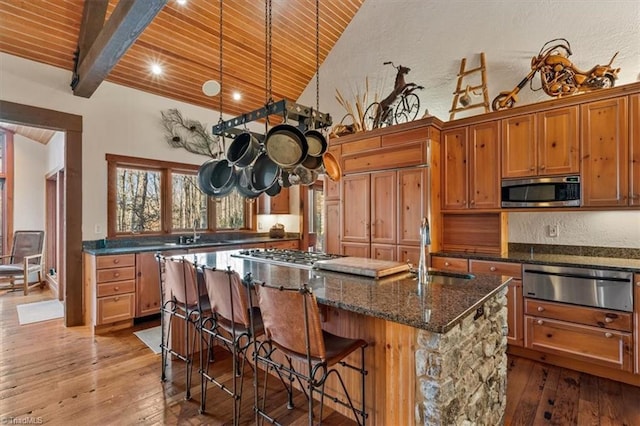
x,y
7,173
166,169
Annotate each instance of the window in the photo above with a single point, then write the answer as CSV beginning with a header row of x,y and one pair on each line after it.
x,y
156,197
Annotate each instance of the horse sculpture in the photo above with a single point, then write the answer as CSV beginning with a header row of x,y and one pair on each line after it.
x,y
399,87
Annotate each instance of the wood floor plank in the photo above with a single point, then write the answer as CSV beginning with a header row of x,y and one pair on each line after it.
x,y
68,376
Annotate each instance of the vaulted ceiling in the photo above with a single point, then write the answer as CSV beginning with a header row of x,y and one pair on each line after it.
x,y
185,41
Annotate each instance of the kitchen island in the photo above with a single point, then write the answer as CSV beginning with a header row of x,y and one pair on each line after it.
x,y
437,351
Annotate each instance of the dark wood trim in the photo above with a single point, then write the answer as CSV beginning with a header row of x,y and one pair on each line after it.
x,y
123,160
9,175
126,23
93,16
72,125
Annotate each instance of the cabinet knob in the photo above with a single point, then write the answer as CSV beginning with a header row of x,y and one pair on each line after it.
x,y
116,260
115,299
532,168
116,288
116,274
608,335
492,269
542,167
540,309
540,322
447,264
608,320
472,202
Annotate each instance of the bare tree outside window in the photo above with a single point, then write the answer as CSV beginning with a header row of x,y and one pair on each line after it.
x,y
230,211
138,199
189,204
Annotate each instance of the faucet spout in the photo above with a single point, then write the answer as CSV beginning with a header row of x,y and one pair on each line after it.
x,y
196,237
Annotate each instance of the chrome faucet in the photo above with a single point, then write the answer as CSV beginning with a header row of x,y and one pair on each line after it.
x,y
425,240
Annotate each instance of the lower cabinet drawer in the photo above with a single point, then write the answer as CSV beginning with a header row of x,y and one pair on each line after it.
x,y
454,264
594,317
115,274
289,244
116,287
603,347
115,308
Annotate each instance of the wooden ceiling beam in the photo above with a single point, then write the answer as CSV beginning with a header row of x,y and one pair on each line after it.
x,y
126,23
93,16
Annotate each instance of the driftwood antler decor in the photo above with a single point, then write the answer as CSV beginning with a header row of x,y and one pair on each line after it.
x,y
353,120
181,132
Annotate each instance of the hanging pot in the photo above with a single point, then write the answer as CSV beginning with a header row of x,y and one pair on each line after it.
x,y
316,142
243,150
307,177
204,177
286,145
284,180
331,166
265,172
223,178
274,189
243,184
312,163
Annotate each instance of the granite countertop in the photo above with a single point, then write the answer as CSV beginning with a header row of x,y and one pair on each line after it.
x,y
437,306
612,263
146,246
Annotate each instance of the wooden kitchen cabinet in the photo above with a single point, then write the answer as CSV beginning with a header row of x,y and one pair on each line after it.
x,y
356,209
331,188
452,264
636,323
515,324
409,254
147,285
413,200
355,249
383,207
383,251
471,167
111,289
634,151
332,227
287,245
541,144
605,153
274,205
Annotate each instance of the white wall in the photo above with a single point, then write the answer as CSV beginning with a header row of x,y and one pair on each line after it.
x,y
601,229
55,152
30,159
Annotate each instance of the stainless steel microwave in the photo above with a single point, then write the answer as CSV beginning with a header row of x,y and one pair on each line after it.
x,y
560,191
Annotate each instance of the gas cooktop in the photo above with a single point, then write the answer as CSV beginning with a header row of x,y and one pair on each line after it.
x,y
288,257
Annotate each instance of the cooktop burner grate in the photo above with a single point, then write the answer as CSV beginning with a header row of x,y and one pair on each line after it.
x,y
298,258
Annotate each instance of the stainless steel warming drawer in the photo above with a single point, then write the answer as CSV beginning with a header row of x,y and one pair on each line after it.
x,y
579,286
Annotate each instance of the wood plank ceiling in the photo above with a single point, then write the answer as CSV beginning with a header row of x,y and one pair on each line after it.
x,y
34,133
184,40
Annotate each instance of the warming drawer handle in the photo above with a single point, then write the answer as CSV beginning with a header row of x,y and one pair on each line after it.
x,y
608,335
540,309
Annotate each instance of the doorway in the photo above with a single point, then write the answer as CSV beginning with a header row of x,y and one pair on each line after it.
x,y
54,227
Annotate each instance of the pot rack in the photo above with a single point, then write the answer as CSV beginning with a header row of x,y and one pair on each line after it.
x,y
307,118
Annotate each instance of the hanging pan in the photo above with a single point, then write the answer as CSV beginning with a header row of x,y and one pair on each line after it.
x,y
316,142
223,178
243,150
286,145
265,173
243,184
331,166
204,177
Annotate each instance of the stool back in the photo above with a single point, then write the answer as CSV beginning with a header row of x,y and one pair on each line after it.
x,y
227,295
292,320
181,281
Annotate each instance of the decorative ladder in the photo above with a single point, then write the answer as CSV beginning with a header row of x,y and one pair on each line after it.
x,y
460,91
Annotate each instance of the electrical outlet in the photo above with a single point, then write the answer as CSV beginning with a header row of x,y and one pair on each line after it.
x,y
260,226
552,231
97,229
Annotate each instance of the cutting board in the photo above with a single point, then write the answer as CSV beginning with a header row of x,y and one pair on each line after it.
x,y
362,266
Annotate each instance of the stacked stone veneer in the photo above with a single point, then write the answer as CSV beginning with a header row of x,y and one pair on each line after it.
x,y
462,374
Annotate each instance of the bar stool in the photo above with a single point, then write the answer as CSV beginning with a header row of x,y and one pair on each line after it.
x,y
180,299
292,326
234,323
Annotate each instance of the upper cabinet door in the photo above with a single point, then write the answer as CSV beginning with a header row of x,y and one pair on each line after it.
x,y
605,152
519,147
484,170
634,153
455,177
558,142
356,219
383,207
413,199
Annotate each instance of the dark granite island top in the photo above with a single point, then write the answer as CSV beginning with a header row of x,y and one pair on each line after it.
x,y
436,307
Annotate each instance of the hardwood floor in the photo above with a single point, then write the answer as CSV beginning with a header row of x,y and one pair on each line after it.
x,y
68,376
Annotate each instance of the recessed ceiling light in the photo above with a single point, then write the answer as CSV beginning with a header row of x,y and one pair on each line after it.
x,y
181,2
156,69
237,96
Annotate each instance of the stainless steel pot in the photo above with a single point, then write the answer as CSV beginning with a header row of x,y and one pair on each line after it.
x,y
265,172
286,146
243,150
223,178
316,142
204,177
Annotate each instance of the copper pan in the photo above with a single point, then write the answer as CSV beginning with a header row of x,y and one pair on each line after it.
x,y
331,166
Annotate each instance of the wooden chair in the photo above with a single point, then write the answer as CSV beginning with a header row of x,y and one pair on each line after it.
x,y
27,252
293,328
